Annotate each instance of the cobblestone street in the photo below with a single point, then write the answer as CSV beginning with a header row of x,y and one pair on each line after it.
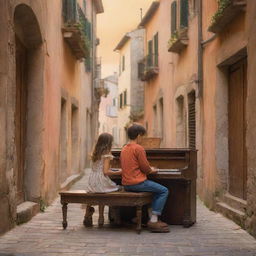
x,y
43,235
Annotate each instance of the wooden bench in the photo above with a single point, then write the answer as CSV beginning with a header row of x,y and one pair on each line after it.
x,y
121,198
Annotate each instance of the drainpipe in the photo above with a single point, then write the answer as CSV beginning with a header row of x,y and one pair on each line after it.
x,y
200,51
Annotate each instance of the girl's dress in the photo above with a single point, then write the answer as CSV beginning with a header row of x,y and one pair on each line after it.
x,y
98,182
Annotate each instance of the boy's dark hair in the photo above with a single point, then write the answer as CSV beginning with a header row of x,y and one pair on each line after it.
x,y
135,130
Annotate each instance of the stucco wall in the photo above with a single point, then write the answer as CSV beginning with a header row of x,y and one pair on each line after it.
x,y
251,120
54,75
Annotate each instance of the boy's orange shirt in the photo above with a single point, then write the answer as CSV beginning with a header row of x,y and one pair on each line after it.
x,y
134,164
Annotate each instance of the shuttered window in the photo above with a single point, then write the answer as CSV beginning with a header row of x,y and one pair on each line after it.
x,y
69,9
192,120
173,17
125,98
150,53
156,49
183,13
121,100
123,63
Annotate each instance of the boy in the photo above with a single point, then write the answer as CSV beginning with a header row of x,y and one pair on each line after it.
x,y
135,168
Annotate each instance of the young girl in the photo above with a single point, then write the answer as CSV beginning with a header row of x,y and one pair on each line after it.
x,y
98,181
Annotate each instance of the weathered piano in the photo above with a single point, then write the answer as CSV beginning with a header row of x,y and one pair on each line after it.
x,y
178,172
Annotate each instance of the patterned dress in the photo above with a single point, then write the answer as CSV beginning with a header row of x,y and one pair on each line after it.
x,y
98,182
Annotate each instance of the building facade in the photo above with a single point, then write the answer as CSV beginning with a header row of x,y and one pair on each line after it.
x,y
130,87
47,94
109,107
199,94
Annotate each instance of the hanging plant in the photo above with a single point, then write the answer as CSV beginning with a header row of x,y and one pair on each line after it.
x,y
222,5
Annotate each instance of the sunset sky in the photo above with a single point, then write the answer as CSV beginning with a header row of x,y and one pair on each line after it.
x,y
119,17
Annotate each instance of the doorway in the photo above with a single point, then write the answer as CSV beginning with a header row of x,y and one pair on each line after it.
x,y
20,116
237,92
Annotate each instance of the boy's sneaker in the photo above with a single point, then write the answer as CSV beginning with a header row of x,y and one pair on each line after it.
x,y
158,227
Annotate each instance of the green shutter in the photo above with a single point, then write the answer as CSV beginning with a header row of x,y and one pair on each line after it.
x,y
156,49
125,98
69,10
183,13
150,53
173,17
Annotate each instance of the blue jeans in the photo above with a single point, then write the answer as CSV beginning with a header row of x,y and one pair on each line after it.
x,y
160,193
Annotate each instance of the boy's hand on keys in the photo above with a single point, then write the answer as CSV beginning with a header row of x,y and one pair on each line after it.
x,y
153,170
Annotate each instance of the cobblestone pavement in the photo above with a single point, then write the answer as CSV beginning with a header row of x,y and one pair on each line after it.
x,y
212,235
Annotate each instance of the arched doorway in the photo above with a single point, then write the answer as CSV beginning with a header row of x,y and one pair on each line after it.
x,y
29,103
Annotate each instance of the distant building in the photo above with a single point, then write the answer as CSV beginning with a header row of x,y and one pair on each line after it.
x,y
130,87
48,109
108,111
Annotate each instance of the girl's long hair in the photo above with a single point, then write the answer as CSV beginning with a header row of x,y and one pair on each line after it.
x,y
103,146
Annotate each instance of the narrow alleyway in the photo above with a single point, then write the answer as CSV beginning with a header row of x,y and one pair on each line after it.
x,y
43,235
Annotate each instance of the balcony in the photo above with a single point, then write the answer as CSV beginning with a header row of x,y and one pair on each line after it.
x,y
178,41
76,29
100,88
148,67
227,11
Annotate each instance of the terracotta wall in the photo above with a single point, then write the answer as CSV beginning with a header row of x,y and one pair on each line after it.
x,y
54,75
251,107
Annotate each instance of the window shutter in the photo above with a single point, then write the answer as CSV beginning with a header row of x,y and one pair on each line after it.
x,y
183,13
156,49
150,53
141,69
125,98
121,100
192,124
69,10
173,17
123,63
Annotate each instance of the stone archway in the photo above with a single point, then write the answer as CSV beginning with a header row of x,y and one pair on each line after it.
x,y
29,104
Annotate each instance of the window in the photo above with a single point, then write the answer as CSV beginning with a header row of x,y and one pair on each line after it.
x,y
156,49
125,97
192,119
173,17
120,100
123,63
150,53
183,13
179,21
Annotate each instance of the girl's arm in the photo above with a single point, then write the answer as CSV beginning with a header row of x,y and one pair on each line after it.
x,y
106,168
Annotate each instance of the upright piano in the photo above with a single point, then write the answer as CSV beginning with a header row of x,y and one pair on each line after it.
x,y
177,172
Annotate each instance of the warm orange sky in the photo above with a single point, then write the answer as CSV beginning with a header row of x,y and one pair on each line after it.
x,y
119,17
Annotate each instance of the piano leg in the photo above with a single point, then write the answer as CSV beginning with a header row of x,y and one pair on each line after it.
x,y
187,220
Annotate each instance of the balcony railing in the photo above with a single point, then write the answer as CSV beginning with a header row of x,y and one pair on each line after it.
x,y
178,41
148,67
100,88
227,11
76,29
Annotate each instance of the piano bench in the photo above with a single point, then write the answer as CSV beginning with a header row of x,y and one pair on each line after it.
x,y
119,198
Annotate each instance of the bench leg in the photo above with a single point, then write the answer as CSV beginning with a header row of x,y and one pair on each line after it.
x,y
88,216
101,216
64,214
139,213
